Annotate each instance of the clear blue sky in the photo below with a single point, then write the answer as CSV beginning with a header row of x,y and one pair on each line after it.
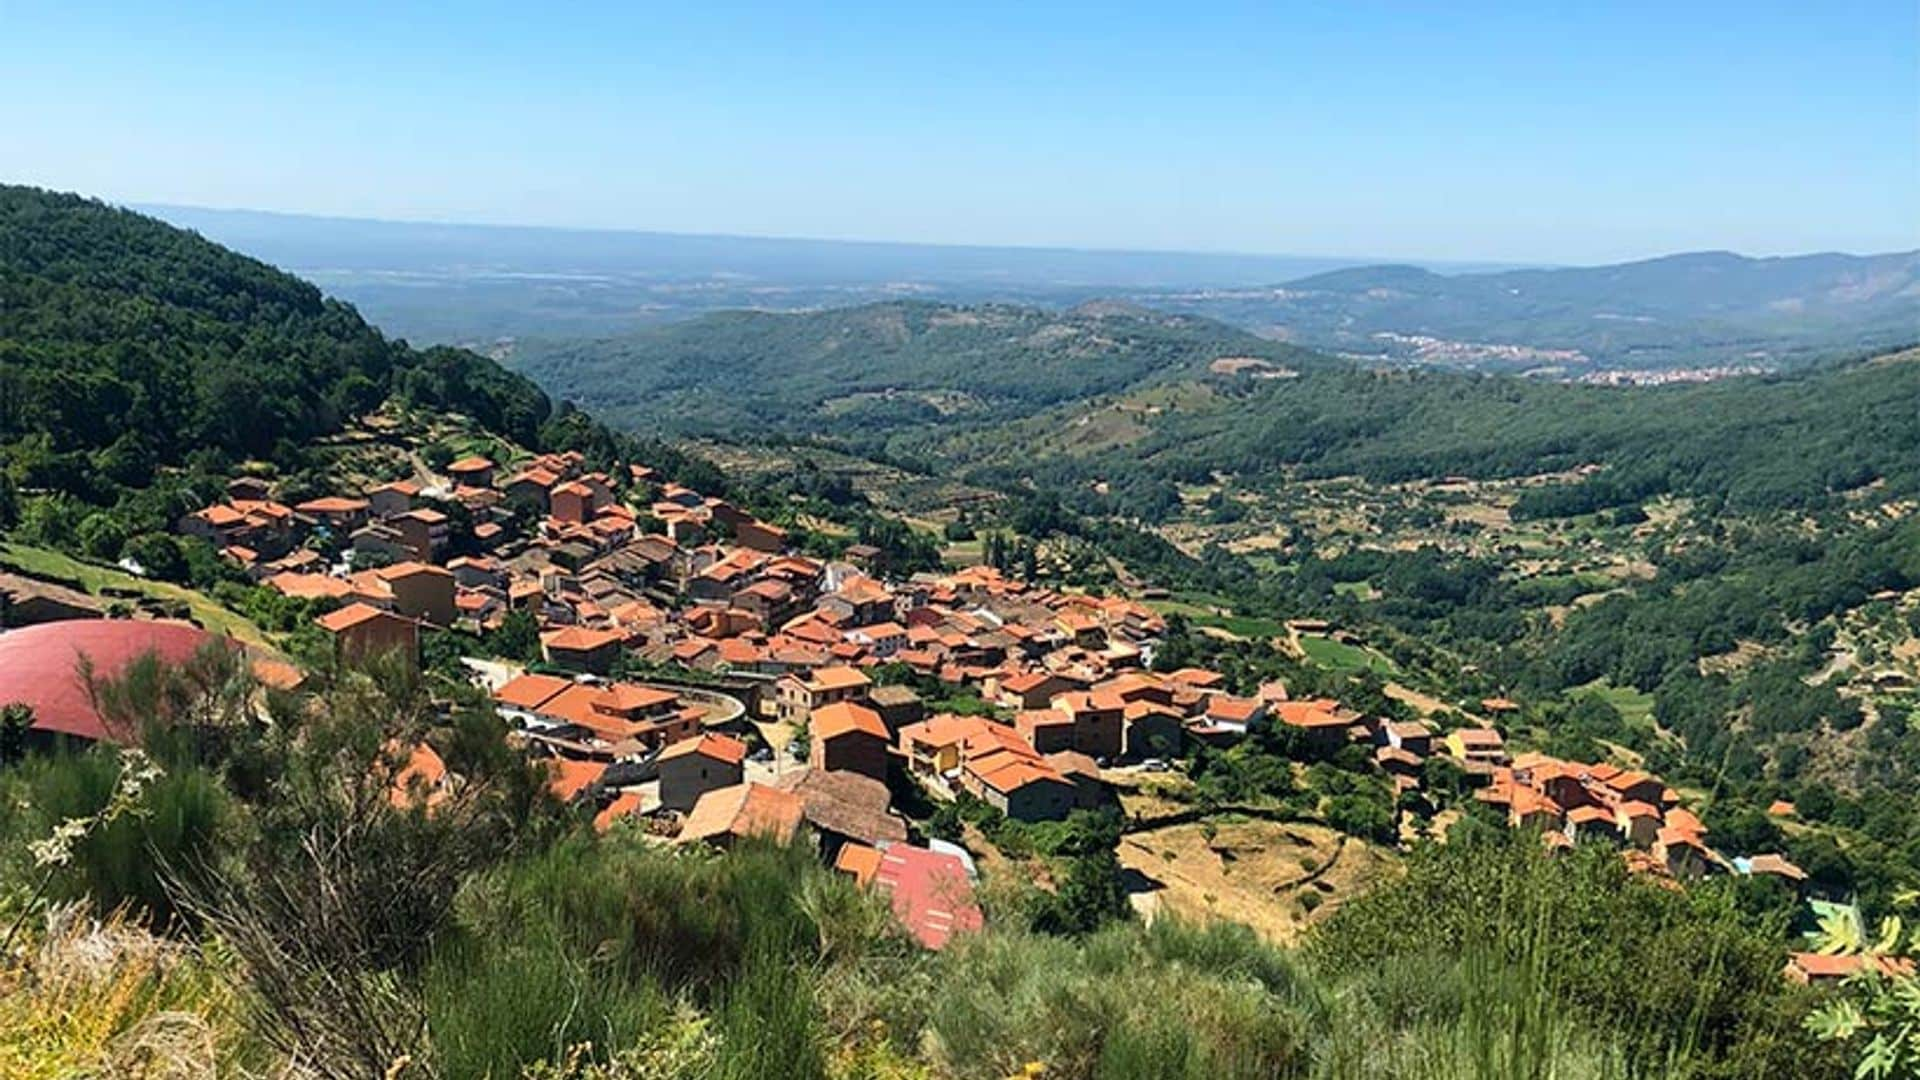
x,y
1516,131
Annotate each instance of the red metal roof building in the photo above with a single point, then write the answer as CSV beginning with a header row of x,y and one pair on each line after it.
x,y
39,666
931,893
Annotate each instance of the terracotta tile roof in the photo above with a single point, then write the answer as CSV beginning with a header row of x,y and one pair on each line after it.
x,y
332,504
1198,677
545,478
309,586
531,691
405,570
351,616
1310,714
743,810
1008,772
420,777
1684,820
1527,801
943,730
470,464
580,639
626,697
721,748
859,862
567,779
846,803
626,804
1030,720
1026,683
837,678
1625,781
1233,710
1090,701
845,717
1072,763
1673,837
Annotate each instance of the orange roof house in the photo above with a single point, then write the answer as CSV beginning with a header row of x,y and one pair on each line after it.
x,y
727,814
309,586
850,736
582,647
696,765
422,779
529,692
361,632
624,806
567,779
722,748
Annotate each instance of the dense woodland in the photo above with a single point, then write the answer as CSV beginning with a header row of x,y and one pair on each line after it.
x,y
864,374
126,344
1798,441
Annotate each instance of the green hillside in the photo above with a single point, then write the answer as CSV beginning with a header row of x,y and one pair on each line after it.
x,y
866,373
126,344
1799,440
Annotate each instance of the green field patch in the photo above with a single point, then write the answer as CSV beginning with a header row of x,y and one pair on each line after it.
x,y
1202,610
1635,706
1344,657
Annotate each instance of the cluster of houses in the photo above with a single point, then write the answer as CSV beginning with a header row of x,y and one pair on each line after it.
x,y
824,652
1571,802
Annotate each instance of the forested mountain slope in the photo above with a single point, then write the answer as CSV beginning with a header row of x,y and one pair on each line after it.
x,y
1135,399
1755,443
867,372
126,343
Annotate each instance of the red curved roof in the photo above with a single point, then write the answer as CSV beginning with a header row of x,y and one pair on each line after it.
x,y
39,665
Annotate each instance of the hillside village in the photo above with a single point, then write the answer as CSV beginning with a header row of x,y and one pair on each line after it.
x,y
702,681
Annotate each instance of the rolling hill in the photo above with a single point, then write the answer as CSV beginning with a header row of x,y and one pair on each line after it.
x,y
866,373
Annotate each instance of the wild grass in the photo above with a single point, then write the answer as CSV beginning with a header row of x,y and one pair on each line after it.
x,y
116,866
342,937
108,998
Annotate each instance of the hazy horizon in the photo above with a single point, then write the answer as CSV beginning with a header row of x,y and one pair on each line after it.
x,y
1486,133
1450,265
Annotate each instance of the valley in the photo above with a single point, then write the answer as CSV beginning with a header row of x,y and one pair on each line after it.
x,y
930,646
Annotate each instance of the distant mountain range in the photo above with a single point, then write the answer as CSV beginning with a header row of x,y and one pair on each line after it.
x,y
1703,308
476,285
